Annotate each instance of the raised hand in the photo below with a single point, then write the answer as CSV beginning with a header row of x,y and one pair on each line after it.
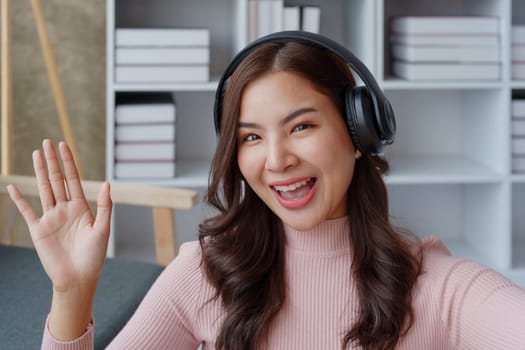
x,y
71,243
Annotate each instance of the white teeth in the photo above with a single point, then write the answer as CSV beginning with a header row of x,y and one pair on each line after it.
x,y
291,187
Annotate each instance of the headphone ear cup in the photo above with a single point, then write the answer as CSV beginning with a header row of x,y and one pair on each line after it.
x,y
360,116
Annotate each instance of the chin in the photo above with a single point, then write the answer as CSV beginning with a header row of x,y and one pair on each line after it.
x,y
301,224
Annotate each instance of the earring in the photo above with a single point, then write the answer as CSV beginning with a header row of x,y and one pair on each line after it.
x,y
357,154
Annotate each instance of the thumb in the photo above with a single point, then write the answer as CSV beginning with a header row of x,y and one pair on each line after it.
x,y
104,207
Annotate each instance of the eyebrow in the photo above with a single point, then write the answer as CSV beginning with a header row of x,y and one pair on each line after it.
x,y
295,114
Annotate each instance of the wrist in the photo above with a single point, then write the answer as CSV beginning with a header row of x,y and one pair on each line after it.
x,y
71,312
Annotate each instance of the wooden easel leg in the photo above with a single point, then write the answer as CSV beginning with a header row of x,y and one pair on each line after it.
x,y
6,209
8,215
165,234
55,82
5,87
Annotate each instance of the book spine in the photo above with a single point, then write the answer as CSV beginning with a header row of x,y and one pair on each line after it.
x,y
145,170
253,20
518,128
518,146
144,113
518,164
426,71
446,53
445,25
145,151
518,108
518,34
518,71
291,18
438,40
153,55
311,19
144,133
161,37
517,53
264,17
162,74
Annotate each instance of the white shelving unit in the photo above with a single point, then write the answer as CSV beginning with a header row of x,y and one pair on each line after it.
x,y
450,165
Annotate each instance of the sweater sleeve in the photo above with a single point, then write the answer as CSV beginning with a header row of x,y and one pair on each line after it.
x,y
164,318
479,307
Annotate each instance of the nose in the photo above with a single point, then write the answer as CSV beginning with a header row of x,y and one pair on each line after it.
x,y
279,156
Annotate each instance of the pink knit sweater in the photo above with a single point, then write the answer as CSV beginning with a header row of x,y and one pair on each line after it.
x,y
458,304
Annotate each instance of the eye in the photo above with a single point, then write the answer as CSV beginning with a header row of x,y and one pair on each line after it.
x,y
249,138
301,127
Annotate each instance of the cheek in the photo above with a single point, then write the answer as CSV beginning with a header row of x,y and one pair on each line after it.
x,y
337,157
248,164
331,149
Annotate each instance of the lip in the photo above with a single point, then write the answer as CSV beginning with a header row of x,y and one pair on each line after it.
x,y
295,204
289,182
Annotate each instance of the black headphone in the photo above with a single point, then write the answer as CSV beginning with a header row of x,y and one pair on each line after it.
x,y
368,116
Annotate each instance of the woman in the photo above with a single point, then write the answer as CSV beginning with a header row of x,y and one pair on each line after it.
x,y
301,254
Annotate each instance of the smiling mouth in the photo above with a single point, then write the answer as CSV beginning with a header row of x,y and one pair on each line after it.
x,y
296,190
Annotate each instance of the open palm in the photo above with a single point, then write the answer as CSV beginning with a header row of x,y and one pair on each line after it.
x,y
70,241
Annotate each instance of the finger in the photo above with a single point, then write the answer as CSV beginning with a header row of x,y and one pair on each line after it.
x,y
45,191
71,172
104,207
23,207
56,178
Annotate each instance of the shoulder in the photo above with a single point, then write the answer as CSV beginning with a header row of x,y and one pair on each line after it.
x,y
187,264
183,278
438,264
189,252
438,261
445,276
182,284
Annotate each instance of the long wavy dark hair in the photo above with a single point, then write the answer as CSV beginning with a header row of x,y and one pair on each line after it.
x,y
243,246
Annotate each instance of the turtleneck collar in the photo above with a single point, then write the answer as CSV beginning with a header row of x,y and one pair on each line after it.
x,y
329,236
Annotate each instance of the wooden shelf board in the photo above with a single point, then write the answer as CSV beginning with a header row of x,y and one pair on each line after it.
x,y
438,169
518,178
191,173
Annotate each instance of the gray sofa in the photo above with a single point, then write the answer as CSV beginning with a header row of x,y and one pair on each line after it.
x,y
25,296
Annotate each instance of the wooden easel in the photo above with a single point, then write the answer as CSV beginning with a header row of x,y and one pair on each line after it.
x,y
6,92
163,217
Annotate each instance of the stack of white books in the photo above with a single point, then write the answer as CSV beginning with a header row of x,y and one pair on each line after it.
x,y
518,135
518,53
162,55
145,136
445,48
304,17
269,16
264,17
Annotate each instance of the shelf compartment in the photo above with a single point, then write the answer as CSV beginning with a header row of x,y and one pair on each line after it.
x,y
195,140
470,217
463,125
219,17
443,8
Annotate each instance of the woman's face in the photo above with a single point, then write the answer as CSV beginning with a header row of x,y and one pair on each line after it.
x,y
294,149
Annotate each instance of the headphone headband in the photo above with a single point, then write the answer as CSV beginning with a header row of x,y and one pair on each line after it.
x,y
379,102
